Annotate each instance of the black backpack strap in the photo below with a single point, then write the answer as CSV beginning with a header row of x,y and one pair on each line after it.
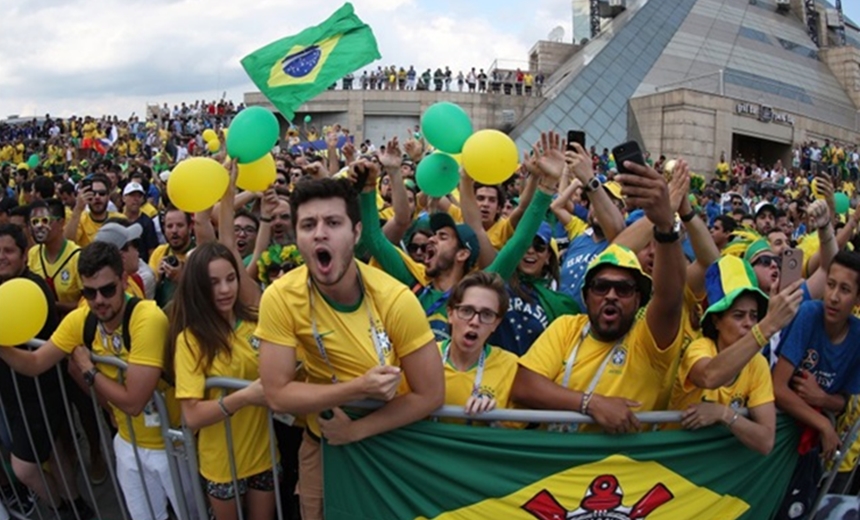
x,y
90,324
126,322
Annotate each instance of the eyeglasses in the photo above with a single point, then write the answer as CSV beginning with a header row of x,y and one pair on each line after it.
x,y
766,260
467,312
623,288
414,248
248,230
100,193
539,245
42,221
107,291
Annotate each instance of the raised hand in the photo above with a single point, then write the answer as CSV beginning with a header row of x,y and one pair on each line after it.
x,y
392,159
644,188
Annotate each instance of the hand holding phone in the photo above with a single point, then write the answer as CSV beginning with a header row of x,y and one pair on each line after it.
x,y
791,267
629,151
575,136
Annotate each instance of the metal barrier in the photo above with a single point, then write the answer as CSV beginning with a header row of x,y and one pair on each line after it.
x,y
850,437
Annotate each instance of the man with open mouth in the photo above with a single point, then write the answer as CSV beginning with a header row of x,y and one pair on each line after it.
x,y
361,331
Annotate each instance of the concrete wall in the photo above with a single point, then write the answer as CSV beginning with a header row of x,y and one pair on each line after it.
x,y
844,63
548,56
699,126
350,107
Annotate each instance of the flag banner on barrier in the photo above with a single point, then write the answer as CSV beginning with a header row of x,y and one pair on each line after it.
x,y
447,471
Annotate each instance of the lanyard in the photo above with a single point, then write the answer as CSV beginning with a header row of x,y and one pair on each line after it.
x,y
318,339
438,303
479,375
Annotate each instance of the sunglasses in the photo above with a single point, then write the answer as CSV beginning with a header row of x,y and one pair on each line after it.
x,y
275,269
100,193
766,260
539,245
414,248
623,288
107,291
280,182
42,221
467,312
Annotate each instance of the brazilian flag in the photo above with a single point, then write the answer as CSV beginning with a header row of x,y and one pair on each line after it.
x,y
452,472
294,69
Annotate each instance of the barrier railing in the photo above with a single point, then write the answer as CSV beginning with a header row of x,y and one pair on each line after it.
x,y
182,456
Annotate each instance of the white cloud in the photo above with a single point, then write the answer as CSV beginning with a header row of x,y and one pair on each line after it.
x,y
113,56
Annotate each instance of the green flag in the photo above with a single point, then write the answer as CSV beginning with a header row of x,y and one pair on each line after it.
x,y
446,472
294,69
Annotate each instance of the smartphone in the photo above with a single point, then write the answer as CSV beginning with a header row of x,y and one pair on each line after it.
x,y
87,182
575,136
629,151
792,267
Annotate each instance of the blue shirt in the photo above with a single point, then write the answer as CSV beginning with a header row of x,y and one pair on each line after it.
x,y
578,255
522,324
806,345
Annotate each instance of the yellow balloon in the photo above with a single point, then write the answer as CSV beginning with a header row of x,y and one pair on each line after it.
x,y
23,311
209,135
196,184
258,175
490,157
214,145
457,157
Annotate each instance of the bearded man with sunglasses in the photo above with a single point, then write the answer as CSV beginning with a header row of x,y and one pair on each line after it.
x,y
104,283
613,360
93,196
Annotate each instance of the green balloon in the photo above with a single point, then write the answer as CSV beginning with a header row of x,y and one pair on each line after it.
x,y
446,126
307,118
252,134
842,203
33,161
438,174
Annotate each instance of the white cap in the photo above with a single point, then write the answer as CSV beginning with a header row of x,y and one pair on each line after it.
x,y
164,175
132,187
117,234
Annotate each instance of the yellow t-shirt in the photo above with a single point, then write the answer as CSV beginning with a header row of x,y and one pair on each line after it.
x,y
133,147
401,328
636,370
89,130
64,271
499,233
249,425
752,387
500,368
148,334
87,227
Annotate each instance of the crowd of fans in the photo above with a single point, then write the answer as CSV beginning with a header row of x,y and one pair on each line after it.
x,y
571,286
517,82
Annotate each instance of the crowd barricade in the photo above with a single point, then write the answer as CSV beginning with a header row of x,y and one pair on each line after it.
x,y
826,491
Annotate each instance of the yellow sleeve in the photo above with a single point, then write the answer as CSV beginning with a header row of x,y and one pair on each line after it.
x,y
406,324
155,258
456,213
761,383
148,334
699,349
70,332
275,323
190,380
575,227
547,355
640,337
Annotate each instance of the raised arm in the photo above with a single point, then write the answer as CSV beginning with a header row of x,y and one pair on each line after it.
x,y
249,289
645,188
611,219
85,196
472,217
391,161
829,246
268,206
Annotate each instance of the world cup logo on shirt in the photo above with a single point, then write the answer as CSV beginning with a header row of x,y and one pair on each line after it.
x,y
810,361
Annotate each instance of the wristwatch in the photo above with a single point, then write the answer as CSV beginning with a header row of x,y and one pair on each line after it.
x,y
670,237
592,185
90,376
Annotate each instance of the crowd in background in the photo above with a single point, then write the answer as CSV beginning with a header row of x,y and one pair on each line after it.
x,y
515,81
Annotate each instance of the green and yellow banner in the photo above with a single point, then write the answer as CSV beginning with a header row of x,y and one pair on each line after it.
x,y
452,472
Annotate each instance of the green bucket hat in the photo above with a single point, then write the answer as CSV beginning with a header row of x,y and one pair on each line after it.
x,y
726,280
755,248
624,258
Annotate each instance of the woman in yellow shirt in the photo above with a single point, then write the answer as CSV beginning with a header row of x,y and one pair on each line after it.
x,y
211,330
724,371
478,376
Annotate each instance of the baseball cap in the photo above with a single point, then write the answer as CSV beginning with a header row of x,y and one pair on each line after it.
x,y
132,187
465,235
764,206
117,234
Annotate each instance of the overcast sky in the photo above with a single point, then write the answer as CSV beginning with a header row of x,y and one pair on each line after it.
x,y
98,57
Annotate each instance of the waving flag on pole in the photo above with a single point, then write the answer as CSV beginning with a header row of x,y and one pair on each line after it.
x,y
294,69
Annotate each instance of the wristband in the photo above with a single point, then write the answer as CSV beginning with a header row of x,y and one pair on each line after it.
x,y
224,409
759,336
732,420
267,220
689,216
583,405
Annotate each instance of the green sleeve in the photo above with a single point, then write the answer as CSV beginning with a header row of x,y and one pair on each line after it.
x,y
380,247
509,256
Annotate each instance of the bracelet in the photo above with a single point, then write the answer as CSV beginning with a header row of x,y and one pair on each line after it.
x,y
583,405
689,216
759,336
733,419
224,409
267,220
